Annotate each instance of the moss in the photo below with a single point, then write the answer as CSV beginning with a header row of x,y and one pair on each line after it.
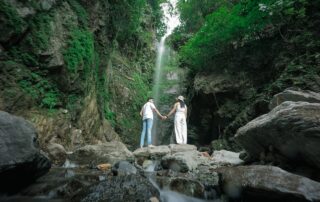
x,y
42,90
80,51
12,20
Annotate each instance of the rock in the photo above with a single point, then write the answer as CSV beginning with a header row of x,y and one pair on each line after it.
x,y
268,183
104,166
294,95
145,153
186,186
154,199
290,131
57,153
181,148
110,152
123,168
47,4
13,24
224,157
21,161
150,166
183,161
120,188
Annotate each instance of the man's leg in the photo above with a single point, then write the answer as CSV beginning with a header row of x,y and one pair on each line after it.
x,y
143,133
149,128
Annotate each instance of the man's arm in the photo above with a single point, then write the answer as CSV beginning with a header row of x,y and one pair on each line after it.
x,y
153,107
159,114
141,112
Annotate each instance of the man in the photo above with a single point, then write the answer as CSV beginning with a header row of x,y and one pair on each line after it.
x,y
147,121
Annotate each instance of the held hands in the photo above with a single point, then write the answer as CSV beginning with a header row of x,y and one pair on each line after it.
x,y
164,117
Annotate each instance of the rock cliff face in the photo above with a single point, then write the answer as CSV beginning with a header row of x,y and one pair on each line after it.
x,y
76,69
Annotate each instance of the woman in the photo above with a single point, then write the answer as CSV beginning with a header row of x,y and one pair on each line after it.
x,y
180,123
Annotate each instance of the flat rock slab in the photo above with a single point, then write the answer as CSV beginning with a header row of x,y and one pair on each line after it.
x,y
109,152
157,152
268,182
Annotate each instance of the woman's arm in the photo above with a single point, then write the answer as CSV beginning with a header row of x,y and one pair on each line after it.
x,y
174,108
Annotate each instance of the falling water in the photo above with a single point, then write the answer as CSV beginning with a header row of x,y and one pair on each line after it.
x,y
172,21
157,73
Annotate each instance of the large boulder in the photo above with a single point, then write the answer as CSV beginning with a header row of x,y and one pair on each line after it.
x,y
109,152
295,96
290,131
267,183
21,161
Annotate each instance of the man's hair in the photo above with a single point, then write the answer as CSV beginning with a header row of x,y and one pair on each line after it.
x,y
150,98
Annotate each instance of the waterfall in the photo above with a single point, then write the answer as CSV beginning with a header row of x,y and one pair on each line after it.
x,y
171,21
157,73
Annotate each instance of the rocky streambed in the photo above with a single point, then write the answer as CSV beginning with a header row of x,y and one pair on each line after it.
x,y
279,163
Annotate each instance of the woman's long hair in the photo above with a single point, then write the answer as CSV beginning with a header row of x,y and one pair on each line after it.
x,y
182,104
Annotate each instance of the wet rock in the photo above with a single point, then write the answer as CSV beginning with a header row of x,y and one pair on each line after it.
x,y
183,161
21,161
294,95
120,188
57,153
189,187
224,157
123,168
290,132
110,152
267,183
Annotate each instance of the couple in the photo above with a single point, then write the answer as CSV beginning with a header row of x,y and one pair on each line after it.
x,y
180,124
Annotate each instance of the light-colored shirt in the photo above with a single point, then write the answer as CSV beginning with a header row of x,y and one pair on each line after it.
x,y
147,110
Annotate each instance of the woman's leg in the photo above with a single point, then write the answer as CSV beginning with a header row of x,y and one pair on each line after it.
x,y
177,129
144,126
184,131
149,128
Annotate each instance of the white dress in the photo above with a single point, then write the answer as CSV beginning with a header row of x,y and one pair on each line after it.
x,y
180,125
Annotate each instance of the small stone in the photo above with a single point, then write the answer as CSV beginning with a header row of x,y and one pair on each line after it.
x,y
104,166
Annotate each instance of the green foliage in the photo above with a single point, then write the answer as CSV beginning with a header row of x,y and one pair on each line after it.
x,y
142,90
11,20
41,90
125,18
193,12
233,27
80,51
